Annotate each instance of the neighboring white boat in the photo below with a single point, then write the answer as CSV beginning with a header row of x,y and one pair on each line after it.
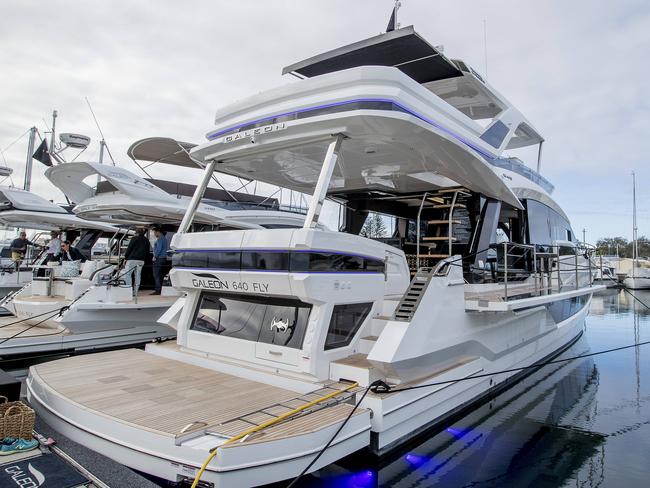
x,y
639,276
607,269
25,210
100,300
292,325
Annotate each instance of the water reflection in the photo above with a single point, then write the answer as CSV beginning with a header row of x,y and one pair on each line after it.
x,y
584,423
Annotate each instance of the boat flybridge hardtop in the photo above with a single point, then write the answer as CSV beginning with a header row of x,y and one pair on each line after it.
x,y
283,330
105,302
22,209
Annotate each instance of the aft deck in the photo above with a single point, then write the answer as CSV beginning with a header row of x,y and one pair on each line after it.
x,y
13,327
174,399
41,298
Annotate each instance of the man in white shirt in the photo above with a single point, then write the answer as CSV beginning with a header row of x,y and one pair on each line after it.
x,y
54,247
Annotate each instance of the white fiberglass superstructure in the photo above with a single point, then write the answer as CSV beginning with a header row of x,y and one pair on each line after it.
x,y
122,198
21,209
482,274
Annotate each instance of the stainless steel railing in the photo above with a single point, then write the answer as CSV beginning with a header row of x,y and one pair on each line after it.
x,y
549,263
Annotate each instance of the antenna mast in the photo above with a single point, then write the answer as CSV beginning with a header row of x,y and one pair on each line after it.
x,y
28,163
485,46
55,114
102,143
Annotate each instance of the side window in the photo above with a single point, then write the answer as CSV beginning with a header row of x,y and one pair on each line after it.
x,y
232,318
495,134
259,319
344,324
545,225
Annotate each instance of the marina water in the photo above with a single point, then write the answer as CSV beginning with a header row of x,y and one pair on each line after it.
x,y
583,423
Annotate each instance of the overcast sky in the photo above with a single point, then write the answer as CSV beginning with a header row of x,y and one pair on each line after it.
x,y
577,69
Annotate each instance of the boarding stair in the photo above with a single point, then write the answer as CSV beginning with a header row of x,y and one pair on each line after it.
x,y
414,293
444,226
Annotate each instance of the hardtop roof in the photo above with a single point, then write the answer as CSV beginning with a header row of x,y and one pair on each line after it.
x,y
404,49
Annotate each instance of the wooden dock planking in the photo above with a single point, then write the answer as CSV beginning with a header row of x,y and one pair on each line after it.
x,y
163,395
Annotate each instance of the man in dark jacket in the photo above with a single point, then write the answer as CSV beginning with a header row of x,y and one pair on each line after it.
x,y
160,249
69,253
135,256
19,248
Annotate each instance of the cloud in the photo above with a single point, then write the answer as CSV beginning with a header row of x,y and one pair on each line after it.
x,y
576,69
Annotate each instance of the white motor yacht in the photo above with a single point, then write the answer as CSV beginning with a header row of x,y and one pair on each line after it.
x,y
25,210
16,203
283,331
124,198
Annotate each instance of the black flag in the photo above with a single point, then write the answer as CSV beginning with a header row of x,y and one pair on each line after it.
x,y
391,22
42,154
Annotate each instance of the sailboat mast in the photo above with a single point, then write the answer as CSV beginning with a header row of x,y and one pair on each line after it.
x,y
635,249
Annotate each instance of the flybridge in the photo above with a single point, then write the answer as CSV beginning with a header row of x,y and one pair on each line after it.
x,y
452,80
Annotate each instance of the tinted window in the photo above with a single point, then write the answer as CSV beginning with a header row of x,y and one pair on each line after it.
x,y
495,134
545,225
344,324
259,319
224,259
310,261
325,262
347,263
232,318
284,325
275,261
190,259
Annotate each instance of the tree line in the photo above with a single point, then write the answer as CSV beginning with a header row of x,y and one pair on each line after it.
x,y
608,245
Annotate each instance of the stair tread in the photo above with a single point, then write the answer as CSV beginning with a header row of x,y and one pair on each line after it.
x,y
445,222
433,255
439,238
448,205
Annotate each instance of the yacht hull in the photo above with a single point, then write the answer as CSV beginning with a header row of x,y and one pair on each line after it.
x,y
637,282
155,451
396,418
433,408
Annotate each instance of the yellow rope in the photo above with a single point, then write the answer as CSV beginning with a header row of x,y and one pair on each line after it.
x,y
266,424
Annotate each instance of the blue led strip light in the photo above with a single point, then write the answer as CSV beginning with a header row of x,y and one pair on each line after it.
x,y
216,134
280,271
243,249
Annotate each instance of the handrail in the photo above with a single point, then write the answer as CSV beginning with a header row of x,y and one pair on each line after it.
x,y
552,258
417,232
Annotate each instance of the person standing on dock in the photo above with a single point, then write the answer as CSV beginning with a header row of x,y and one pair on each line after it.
x,y
160,249
135,256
